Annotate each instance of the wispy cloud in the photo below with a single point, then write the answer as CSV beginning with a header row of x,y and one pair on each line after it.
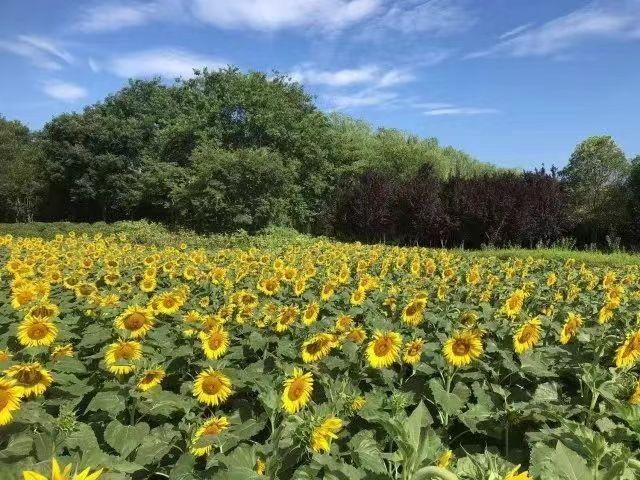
x,y
432,16
372,75
109,17
515,31
165,62
64,91
613,19
446,109
40,51
271,15
363,98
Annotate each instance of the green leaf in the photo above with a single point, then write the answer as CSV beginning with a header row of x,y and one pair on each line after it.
x,y
19,445
109,402
546,392
449,403
124,439
567,464
366,453
157,444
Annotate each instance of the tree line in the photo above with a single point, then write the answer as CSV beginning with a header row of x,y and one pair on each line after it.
x,y
228,150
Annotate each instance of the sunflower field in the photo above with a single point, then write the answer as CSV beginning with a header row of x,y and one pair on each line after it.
x,y
327,360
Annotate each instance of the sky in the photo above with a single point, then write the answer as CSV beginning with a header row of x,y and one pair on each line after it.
x,y
517,83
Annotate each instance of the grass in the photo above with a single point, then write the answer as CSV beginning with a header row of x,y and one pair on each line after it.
x,y
154,233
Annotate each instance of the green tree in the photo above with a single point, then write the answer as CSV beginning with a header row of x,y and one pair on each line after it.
x,y
22,181
596,176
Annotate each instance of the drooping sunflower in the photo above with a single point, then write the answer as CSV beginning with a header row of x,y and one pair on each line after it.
x,y
201,442
32,378
121,355
514,475
44,311
323,434
297,390
215,342
527,336
61,351
357,335
58,473
570,328
10,394
150,378
629,352
212,387
384,349
413,351
310,314
136,320
413,313
317,347
36,332
463,347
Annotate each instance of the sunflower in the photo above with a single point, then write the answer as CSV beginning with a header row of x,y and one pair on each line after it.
x,y
121,355
62,474
150,378
61,351
514,475
445,459
463,347
384,349
343,323
317,347
357,335
297,390
358,296
629,351
286,318
148,284
310,314
35,332
44,311
323,434
33,378
212,387
210,428
168,303
5,356
260,466
413,351
136,320
214,343
357,403
269,286
570,328
413,313
514,303
606,314
10,394
527,335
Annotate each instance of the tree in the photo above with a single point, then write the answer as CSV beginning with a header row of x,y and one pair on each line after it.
x,y
595,177
22,181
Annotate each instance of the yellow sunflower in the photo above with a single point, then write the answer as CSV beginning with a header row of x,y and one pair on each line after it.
x,y
413,313
357,403
121,355
413,351
527,335
10,394
215,342
136,320
61,351
32,378
212,387
58,473
570,328
36,332
463,347
317,347
514,303
357,335
634,399
629,352
150,378
297,390
445,459
358,296
44,311
311,313
286,318
514,475
384,349
201,441
323,434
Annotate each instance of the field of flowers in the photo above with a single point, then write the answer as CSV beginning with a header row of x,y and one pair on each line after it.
x,y
338,361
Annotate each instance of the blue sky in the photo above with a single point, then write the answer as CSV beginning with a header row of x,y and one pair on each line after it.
x,y
513,82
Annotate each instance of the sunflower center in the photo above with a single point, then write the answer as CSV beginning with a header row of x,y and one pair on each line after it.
x,y
169,302
41,312
29,377
215,341
4,399
125,352
382,347
414,350
461,347
411,310
314,347
211,385
212,430
38,331
135,321
527,334
296,389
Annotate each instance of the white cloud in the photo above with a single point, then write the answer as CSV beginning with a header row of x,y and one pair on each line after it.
x,y
435,16
165,62
109,17
40,51
515,31
614,19
64,91
364,98
451,110
94,65
272,15
368,74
